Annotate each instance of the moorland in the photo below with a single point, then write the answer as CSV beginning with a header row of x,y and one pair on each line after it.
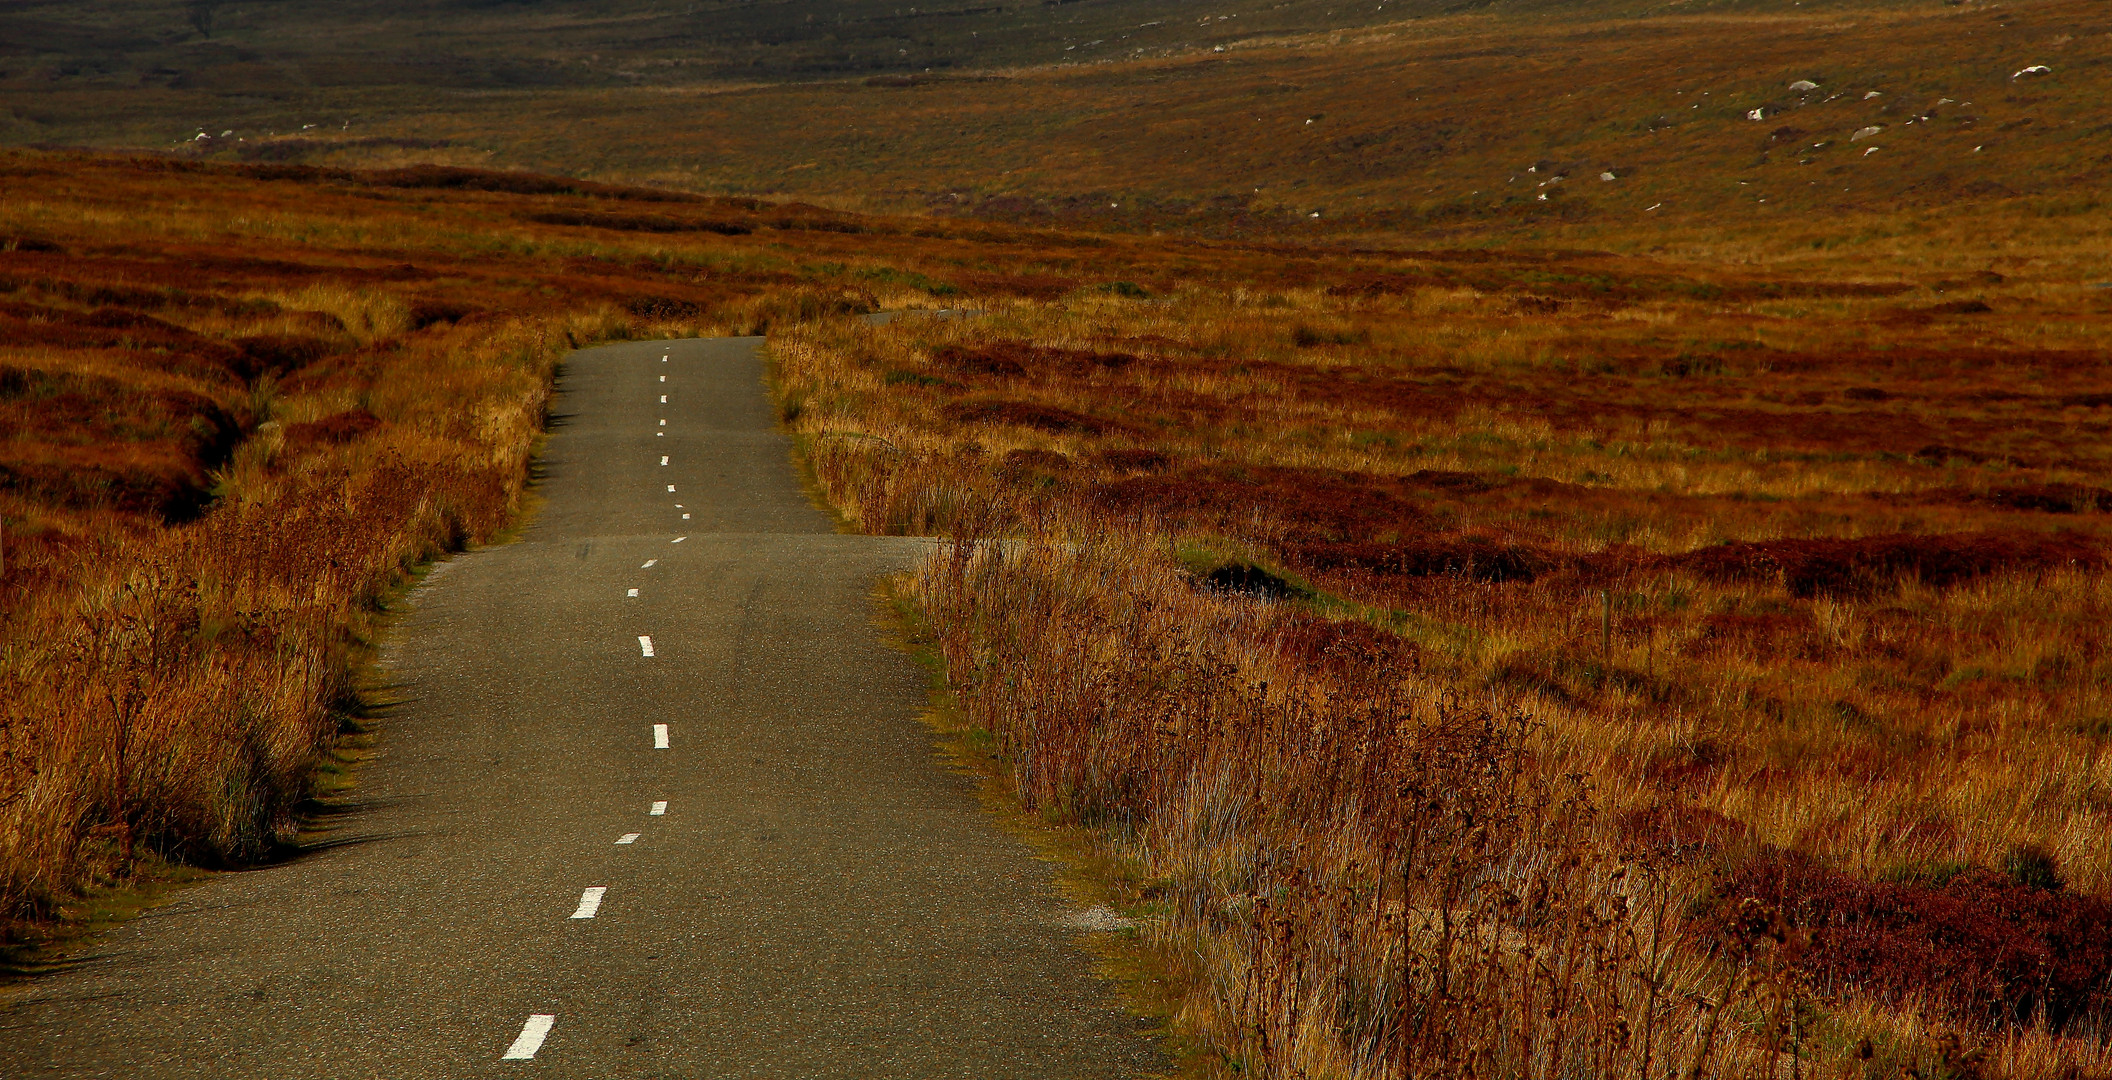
x,y
1249,117
1619,591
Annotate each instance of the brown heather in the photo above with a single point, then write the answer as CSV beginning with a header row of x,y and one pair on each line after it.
x,y
1366,876
1482,662
1698,672
239,406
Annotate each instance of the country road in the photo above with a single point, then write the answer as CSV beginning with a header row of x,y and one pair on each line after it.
x,y
655,803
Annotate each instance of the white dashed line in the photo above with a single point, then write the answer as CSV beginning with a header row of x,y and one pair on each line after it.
x,y
645,645
648,564
531,1037
678,539
670,487
663,459
663,421
685,517
659,808
589,902
659,434
628,838
659,736
663,399
663,378
633,593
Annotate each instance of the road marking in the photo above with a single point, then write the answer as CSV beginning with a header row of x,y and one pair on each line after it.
x,y
663,399
633,592
659,434
659,736
663,378
663,360
645,645
663,421
530,1039
663,459
670,487
590,902
648,564
678,539
628,838
659,808
685,517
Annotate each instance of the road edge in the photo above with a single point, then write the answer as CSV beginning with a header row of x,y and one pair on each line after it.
x,y
1148,977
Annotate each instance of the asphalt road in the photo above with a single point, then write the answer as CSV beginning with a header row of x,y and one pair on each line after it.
x,y
818,896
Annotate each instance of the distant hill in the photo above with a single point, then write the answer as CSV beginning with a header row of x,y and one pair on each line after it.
x,y
1385,116
289,46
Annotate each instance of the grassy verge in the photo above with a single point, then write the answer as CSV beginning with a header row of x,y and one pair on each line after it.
x,y
1807,616
1153,979
242,406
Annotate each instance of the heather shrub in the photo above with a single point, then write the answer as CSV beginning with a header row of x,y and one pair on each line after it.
x,y
1980,946
1375,878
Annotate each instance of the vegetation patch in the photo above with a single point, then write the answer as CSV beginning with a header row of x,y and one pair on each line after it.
x,y
239,405
1768,592
1814,567
1981,945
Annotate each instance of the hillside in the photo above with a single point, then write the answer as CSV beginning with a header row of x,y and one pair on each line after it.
x,y
1399,117
1766,592
221,44
1559,539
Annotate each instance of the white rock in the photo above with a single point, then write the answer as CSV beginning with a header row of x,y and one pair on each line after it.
x,y
1866,133
1608,175
1872,94
1803,86
1756,114
1096,919
2035,69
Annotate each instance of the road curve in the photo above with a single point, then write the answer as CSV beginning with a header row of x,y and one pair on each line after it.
x,y
692,832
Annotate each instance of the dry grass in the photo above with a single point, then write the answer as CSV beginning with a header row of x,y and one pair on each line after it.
x,y
1425,125
1775,566
1453,644
240,406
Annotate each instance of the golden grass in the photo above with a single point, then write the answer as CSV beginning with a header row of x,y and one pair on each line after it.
x,y
1890,728
1422,128
240,407
1307,532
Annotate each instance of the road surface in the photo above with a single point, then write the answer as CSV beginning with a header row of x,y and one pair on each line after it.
x,y
655,804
